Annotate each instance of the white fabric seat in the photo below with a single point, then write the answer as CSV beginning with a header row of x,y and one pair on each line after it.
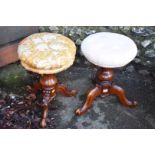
x,y
109,50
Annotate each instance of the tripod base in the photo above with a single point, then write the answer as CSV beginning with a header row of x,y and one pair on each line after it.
x,y
105,87
49,86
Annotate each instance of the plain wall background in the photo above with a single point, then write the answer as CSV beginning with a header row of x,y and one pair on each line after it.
x,y
13,33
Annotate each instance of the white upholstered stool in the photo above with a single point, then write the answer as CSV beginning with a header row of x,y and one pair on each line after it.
x,y
107,50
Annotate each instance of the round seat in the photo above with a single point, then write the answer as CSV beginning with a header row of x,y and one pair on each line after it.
x,y
109,50
46,53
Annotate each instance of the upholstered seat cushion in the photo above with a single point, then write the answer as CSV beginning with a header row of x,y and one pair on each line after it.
x,y
109,50
46,53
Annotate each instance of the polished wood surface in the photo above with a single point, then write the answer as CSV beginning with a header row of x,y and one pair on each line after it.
x,y
63,90
105,86
120,93
49,86
89,101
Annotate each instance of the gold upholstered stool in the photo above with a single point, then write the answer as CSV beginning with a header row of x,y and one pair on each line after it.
x,y
47,54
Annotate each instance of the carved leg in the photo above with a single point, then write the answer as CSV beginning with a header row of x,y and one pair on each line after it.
x,y
30,98
62,89
90,97
44,115
119,92
46,100
33,90
48,84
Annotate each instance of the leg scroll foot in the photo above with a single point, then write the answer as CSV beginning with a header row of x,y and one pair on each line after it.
x,y
119,92
90,97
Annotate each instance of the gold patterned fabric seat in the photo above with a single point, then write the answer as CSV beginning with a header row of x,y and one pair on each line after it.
x,y
46,53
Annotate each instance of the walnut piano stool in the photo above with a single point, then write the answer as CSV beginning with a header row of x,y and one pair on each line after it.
x,y
47,54
107,50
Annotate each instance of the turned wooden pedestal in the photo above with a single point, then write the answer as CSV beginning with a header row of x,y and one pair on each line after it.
x,y
49,86
105,86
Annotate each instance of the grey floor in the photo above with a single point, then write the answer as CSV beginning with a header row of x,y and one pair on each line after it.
x,y
106,112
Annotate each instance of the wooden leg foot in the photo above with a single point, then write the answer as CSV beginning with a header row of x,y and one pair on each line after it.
x,y
44,116
90,97
119,92
63,89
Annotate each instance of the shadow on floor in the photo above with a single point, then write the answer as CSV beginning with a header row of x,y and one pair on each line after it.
x,y
105,113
